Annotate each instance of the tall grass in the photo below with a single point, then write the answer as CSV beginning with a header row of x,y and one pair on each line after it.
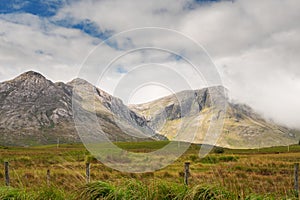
x,y
233,174
43,193
97,190
7,193
136,190
133,190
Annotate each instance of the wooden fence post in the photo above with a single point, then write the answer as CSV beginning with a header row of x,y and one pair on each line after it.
x,y
6,171
87,169
57,144
48,177
296,178
186,172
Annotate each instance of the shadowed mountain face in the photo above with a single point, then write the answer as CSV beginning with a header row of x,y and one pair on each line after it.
x,y
34,110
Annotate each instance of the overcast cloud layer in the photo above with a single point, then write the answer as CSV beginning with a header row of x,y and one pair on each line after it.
x,y
255,44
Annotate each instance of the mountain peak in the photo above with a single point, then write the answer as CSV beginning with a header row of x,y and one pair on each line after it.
x,y
78,81
32,74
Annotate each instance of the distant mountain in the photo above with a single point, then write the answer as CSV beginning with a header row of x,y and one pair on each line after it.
x,y
34,111
243,127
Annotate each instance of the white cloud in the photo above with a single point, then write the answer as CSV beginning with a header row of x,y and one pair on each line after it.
x,y
120,15
37,44
255,45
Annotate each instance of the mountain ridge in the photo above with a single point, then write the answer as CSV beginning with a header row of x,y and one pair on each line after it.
x,y
35,110
243,127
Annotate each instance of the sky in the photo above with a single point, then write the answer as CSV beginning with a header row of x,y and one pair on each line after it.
x,y
253,44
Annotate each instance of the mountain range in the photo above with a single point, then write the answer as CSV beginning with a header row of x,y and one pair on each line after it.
x,y
36,111
243,127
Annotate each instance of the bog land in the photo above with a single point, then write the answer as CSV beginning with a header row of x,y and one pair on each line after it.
x,y
51,172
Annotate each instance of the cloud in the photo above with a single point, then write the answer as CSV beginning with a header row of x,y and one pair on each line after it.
x,y
255,45
256,52
35,43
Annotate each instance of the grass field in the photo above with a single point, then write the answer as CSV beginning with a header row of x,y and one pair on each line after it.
x,y
232,174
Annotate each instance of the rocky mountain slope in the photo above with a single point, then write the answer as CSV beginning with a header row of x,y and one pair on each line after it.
x,y
34,110
243,127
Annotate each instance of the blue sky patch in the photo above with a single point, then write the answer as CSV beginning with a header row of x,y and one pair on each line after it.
x,y
206,1
121,70
191,5
87,26
92,29
177,57
211,1
40,8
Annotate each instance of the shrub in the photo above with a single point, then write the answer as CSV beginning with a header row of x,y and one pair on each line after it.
x,y
219,150
90,159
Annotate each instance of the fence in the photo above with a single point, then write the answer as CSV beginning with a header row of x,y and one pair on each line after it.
x,y
186,175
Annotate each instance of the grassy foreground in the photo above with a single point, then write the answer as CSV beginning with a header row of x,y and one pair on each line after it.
x,y
232,174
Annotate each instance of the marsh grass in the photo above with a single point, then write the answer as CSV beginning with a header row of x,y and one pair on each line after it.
x,y
43,193
239,174
134,190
